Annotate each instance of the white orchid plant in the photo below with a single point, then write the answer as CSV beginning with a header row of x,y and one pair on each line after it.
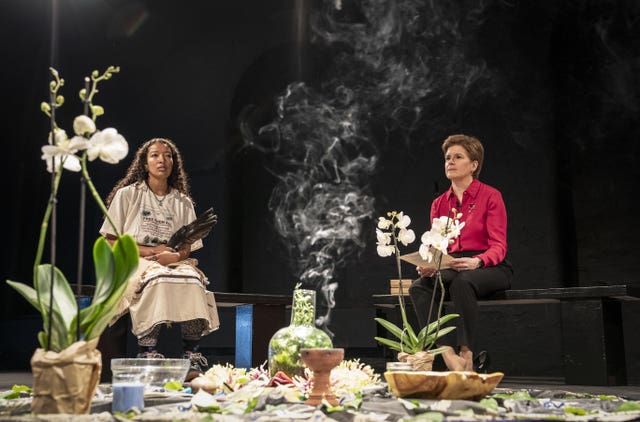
x,y
392,230
51,294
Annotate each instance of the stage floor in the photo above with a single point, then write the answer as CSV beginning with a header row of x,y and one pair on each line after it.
x,y
9,379
172,408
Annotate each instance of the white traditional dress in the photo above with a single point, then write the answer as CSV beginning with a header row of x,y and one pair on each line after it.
x,y
156,293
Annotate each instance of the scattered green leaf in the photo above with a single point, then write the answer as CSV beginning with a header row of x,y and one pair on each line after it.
x,y
575,411
490,404
628,406
518,395
173,386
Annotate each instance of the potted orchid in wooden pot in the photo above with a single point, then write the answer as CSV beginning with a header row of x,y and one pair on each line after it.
x,y
417,347
66,368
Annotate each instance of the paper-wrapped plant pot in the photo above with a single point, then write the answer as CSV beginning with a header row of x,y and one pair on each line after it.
x,y
65,382
442,385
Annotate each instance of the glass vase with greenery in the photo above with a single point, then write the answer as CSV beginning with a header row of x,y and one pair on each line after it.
x,y
286,343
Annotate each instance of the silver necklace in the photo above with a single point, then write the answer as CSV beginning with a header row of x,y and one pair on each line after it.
x,y
159,200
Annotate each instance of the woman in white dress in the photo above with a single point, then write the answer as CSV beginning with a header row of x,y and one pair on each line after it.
x,y
151,203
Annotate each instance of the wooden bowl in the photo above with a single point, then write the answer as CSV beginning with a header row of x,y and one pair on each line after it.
x,y
455,385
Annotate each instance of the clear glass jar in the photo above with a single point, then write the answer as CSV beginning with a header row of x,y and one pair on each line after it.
x,y
286,343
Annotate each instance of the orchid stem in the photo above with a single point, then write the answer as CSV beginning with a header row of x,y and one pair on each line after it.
x,y
96,196
45,223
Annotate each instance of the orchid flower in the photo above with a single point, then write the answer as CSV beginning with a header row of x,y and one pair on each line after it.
x,y
109,145
83,125
443,230
398,232
63,151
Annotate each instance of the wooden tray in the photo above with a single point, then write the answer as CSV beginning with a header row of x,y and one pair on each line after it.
x,y
442,385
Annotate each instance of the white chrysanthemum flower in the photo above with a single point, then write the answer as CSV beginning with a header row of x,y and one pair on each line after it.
x,y
227,374
83,125
351,376
109,145
406,236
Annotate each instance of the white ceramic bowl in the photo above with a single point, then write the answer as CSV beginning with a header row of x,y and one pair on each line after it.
x,y
156,372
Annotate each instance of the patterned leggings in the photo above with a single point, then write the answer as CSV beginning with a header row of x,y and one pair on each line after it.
x,y
191,331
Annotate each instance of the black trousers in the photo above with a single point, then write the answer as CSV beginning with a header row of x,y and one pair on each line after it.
x,y
463,288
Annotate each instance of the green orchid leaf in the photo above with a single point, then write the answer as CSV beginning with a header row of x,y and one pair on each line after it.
x,y
64,306
64,301
126,256
27,292
438,350
407,327
108,310
31,296
105,269
432,327
429,334
431,339
43,339
391,327
396,345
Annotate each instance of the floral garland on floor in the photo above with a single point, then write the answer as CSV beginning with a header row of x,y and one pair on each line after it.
x,y
226,382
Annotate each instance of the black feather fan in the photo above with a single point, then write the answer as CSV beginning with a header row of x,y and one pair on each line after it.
x,y
194,231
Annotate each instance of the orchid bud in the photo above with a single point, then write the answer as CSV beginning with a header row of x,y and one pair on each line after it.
x,y
59,100
83,94
83,125
454,211
60,136
52,86
54,72
95,74
97,110
45,108
459,215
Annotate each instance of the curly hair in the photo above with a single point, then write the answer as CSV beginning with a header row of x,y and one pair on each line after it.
x,y
472,145
137,172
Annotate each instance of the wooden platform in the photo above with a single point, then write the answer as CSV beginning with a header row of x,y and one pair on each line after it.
x,y
593,347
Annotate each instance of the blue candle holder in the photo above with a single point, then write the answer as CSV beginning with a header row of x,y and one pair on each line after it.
x,y
127,395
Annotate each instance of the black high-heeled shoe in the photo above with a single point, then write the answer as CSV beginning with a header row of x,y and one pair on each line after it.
x,y
481,362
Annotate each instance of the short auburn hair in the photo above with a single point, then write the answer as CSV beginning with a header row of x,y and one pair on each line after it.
x,y
472,145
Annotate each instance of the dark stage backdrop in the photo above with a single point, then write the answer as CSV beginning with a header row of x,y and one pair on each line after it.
x,y
303,121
